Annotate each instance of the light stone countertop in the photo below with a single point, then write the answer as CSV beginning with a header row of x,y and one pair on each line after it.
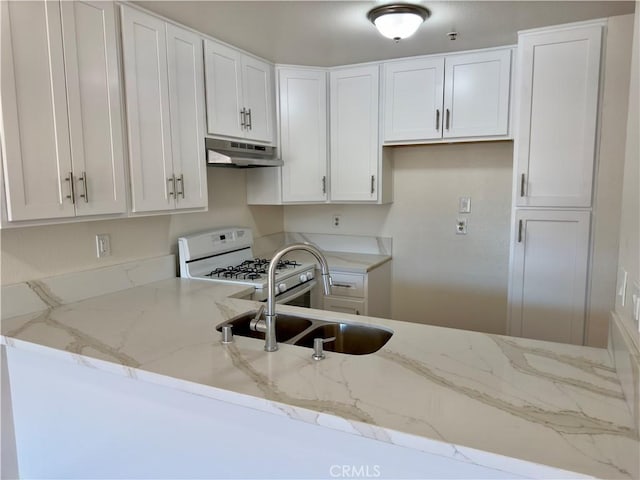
x,y
490,400
345,261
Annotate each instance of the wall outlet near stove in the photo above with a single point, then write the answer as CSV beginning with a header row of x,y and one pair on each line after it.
x,y
635,304
461,226
336,220
103,245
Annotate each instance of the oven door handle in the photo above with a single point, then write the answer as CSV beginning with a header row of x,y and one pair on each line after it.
x,y
295,292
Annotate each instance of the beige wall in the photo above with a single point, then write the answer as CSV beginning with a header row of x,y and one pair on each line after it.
x,y
38,252
629,253
438,277
608,178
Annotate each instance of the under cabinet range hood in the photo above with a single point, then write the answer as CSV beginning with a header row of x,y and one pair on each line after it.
x,y
230,153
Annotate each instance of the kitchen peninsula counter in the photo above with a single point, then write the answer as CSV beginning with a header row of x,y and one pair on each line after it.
x,y
474,397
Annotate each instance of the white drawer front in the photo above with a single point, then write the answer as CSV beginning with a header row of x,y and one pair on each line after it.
x,y
345,305
347,284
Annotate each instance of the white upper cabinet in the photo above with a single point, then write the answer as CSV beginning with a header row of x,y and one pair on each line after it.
x,y
556,132
463,96
303,134
355,151
164,97
239,92
476,94
61,117
413,99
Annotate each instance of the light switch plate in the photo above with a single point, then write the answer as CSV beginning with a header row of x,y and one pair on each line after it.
x,y
622,287
635,303
103,245
464,205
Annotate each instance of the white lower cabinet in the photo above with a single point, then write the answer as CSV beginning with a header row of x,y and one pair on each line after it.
x,y
548,279
61,110
361,293
164,83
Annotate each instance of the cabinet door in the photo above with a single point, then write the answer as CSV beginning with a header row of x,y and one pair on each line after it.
x,y
549,275
147,100
186,100
257,92
556,133
476,94
354,134
95,115
303,134
223,72
36,155
413,99
345,305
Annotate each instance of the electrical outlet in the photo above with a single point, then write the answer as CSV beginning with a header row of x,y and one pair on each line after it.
x,y
336,220
635,304
103,245
461,226
464,205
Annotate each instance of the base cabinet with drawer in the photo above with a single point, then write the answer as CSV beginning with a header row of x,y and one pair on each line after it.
x,y
361,293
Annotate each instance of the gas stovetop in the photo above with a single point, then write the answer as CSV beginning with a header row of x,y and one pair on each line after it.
x,y
226,255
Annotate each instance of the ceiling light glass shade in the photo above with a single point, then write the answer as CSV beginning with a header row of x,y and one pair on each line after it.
x,y
398,21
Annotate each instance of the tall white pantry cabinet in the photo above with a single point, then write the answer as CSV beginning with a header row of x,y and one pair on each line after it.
x,y
555,155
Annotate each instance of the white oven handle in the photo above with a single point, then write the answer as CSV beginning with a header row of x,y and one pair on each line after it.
x,y
295,293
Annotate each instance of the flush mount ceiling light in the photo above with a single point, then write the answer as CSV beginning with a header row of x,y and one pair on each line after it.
x,y
398,21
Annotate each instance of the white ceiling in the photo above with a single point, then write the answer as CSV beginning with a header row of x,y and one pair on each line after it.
x,y
328,33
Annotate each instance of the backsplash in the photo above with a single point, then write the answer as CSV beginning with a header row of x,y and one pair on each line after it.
x,y
266,245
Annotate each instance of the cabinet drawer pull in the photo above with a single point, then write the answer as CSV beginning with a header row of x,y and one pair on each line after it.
x,y
437,119
373,183
522,183
180,180
249,121
171,182
447,119
324,185
85,188
520,231
341,285
72,192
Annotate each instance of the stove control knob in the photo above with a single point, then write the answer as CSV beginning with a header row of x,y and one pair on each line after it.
x,y
282,287
310,275
303,277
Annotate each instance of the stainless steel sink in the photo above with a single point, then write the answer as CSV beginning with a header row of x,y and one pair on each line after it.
x,y
287,326
351,339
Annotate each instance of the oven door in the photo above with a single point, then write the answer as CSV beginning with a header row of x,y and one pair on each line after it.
x,y
299,296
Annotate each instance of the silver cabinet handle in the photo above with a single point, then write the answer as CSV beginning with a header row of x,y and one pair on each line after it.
x,y
250,121
324,185
520,231
522,183
180,180
447,119
171,182
437,119
83,178
243,118
341,285
72,192
373,184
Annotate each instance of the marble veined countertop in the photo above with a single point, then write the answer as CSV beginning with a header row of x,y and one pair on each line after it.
x,y
486,399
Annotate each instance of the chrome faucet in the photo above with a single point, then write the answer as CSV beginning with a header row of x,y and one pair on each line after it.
x,y
270,344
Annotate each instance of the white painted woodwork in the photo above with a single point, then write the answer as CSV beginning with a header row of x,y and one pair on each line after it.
x,y
303,134
239,94
549,275
355,151
476,94
187,118
348,284
36,146
164,74
95,112
147,99
558,87
61,108
223,72
345,305
413,99
258,90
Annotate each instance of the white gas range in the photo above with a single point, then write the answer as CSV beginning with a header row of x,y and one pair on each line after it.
x,y
226,255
